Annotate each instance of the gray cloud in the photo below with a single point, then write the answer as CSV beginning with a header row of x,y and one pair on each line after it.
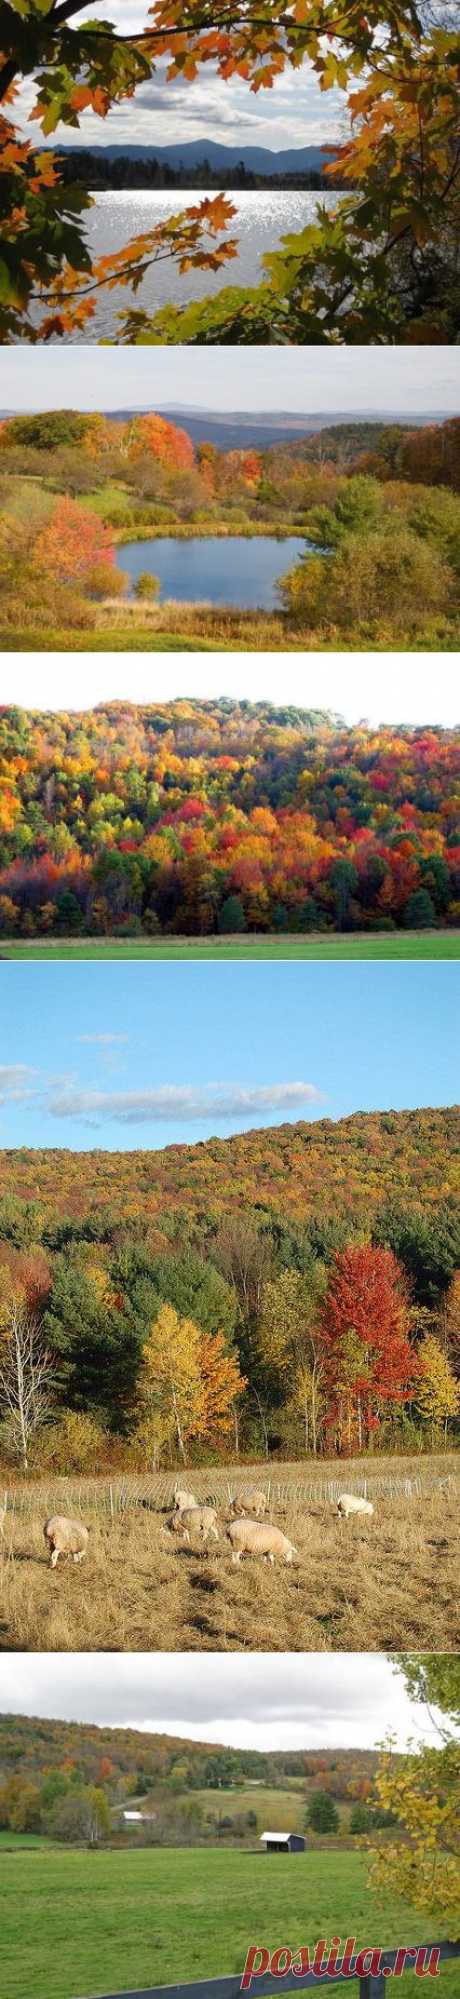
x,y
189,1103
274,1701
16,1084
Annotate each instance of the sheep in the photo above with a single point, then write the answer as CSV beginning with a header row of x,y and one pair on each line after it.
x,y
65,1537
349,1503
195,1520
253,1537
182,1500
250,1502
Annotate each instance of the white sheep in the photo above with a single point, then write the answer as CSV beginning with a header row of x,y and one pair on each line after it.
x,y
349,1503
182,1500
195,1520
252,1502
254,1537
65,1537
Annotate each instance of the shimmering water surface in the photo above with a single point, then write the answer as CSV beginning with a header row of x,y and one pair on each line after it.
x,y
260,221
214,569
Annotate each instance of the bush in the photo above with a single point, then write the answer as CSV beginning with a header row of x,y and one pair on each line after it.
x,y
389,574
104,580
146,586
74,1444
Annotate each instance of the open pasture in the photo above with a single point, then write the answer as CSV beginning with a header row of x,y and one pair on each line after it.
x,y
115,1921
349,944
381,1583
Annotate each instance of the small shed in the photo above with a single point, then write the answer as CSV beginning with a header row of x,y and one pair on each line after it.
x,y
139,1818
283,1842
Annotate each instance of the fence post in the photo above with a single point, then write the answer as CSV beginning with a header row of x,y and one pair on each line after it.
x,y
373,1987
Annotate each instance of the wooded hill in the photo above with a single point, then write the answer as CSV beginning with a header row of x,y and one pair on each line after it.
x,y
194,817
292,1290
34,1747
288,1173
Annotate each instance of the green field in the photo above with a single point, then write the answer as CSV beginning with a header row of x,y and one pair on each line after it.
x,y
273,1805
382,945
75,1925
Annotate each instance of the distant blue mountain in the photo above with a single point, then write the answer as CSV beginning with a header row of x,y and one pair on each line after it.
x,y
195,153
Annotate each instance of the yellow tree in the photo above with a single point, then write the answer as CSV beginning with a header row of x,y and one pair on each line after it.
x,y
171,1384
423,1790
190,1384
222,1386
438,1392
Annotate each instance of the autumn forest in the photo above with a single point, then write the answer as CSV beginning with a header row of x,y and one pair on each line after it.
x,y
287,1292
198,818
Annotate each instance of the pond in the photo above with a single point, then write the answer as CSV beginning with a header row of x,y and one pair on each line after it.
x,y
214,569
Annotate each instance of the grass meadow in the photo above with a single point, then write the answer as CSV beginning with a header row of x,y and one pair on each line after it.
x,y
378,944
76,1925
381,1583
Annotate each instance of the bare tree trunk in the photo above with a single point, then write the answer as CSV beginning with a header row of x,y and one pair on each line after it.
x,y
180,1439
25,1382
262,1421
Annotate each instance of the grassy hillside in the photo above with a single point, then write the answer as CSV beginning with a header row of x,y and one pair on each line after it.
x,y
87,1923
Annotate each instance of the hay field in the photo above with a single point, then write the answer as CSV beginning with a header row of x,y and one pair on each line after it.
x,y
370,1584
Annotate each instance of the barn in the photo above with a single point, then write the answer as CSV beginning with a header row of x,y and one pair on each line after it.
x,y
282,1842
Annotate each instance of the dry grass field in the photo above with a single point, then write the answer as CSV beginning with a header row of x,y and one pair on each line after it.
x,y
370,1584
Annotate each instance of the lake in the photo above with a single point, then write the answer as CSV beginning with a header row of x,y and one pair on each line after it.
x,y
261,219
214,569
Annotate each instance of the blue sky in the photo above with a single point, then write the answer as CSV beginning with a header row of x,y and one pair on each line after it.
x,y
150,1055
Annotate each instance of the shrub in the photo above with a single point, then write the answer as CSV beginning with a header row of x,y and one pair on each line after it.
x,y
146,585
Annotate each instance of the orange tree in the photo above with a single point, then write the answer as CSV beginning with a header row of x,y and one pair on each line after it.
x,y
382,265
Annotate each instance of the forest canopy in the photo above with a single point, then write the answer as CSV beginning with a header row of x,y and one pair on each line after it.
x,y
195,817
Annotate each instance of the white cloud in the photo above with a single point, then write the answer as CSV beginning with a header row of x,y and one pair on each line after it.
x,y
16,1083
191,1104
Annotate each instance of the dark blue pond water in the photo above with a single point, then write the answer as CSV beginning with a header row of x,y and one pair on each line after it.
x,y
215,570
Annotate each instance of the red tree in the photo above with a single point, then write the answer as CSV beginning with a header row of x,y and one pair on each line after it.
x,y
369,1361
165,440
72,543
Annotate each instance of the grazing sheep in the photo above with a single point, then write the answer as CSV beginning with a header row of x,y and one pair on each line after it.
x,y
65,1537
253,1537
349,1504
195,1520
182,1500
252,1502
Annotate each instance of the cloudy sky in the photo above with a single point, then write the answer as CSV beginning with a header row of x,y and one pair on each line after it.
x,y
280,1701
293,113
353,685
148,1055
380,380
